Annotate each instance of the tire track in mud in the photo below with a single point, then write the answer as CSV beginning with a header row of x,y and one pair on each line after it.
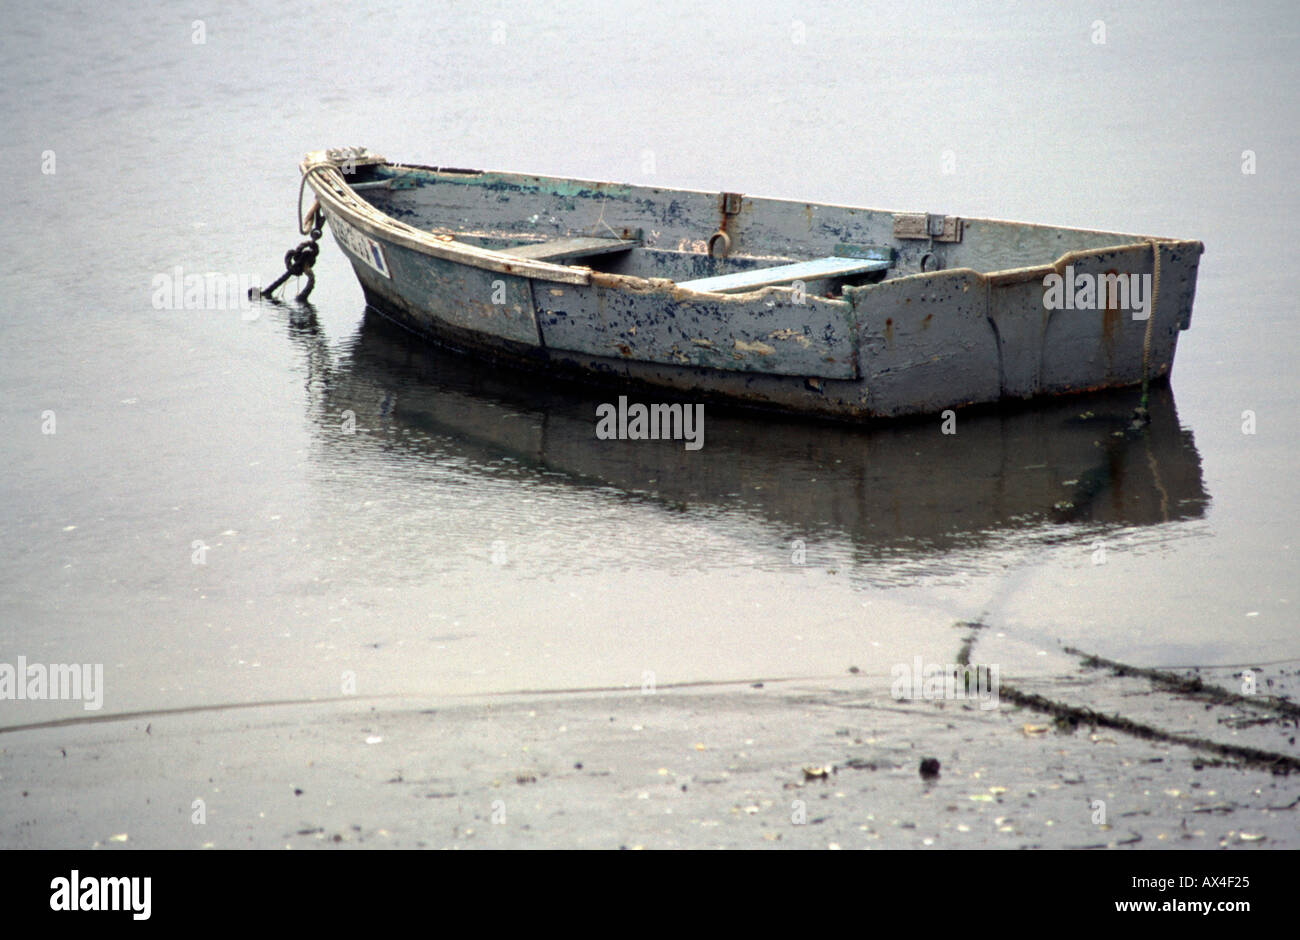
x,y
1283,711
1245,755
1191,687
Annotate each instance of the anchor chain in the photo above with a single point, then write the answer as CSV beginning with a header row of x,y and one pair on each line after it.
x,y
298,261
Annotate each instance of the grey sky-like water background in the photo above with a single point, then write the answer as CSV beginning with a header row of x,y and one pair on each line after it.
x,y
473,534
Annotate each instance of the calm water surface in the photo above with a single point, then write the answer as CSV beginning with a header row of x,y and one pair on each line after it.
x,y
473,535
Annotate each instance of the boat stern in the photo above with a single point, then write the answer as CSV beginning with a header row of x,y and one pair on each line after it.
x,y
1094,319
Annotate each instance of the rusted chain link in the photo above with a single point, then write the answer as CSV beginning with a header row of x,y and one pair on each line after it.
x,y
298,262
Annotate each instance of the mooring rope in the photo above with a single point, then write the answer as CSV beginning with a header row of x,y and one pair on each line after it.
x,y
305,226
601,220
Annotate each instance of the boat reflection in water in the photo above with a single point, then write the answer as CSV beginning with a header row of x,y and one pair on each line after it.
x,y
1065,469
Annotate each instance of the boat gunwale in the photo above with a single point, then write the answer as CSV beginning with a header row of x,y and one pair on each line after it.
x,y
360,213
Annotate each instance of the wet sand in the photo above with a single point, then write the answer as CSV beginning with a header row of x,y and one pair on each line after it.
x,y
812,764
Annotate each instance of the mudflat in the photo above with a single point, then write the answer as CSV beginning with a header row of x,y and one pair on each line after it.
x,y
1103,759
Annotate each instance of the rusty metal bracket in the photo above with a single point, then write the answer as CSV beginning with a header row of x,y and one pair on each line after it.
x,y
720,241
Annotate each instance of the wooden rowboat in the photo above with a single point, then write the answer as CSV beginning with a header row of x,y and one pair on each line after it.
x,y
801,307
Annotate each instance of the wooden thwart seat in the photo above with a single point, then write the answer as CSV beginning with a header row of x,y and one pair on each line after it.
x,y
568,249
785,274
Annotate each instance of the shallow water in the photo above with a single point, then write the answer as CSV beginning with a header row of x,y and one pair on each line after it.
x,y
472,534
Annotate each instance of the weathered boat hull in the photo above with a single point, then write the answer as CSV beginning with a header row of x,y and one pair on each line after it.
x,y
919,341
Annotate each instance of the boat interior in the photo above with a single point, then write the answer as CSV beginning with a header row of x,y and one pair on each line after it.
x,y
704,241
